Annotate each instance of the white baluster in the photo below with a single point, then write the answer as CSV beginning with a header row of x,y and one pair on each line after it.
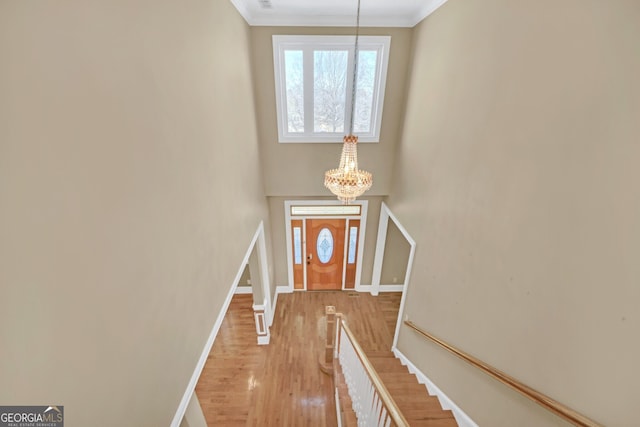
x,y
367,403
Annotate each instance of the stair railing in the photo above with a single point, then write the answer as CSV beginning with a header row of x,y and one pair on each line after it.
x,y
372,403
543,400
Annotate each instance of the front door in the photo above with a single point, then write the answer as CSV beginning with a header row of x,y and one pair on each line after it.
x,y
325,253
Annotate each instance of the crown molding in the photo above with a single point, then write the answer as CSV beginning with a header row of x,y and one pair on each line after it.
x,y
242,10
330,21
427,10
270,19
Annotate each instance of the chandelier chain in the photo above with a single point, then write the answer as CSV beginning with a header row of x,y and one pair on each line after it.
x,y
348,182
355,72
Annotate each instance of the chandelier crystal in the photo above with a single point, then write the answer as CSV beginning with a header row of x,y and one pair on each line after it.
x,y
348,182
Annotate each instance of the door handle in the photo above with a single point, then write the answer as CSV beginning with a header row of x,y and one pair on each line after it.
x,y
309,258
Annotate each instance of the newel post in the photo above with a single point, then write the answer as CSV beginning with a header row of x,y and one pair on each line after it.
x,y
326,360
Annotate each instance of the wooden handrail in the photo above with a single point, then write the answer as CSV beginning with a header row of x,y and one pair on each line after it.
x,y
543,400
389,403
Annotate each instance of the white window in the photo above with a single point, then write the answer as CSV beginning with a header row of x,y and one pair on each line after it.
x,y
314,82
340,210
297,245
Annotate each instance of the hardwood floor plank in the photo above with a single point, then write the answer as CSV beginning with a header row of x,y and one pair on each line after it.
x,y
243,384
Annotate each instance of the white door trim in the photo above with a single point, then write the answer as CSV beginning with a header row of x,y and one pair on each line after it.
x,y
287,219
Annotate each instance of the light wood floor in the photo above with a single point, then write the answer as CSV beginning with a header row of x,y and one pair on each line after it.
x,y
244,384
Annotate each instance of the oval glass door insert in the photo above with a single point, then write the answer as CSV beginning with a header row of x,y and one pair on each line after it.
x,y
324,245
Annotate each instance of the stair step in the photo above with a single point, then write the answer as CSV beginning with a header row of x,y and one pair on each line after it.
x,y
385,359
390,368
398,376
450,422
388,356
413,399
379,353
426,412
407,391
425,402
401,384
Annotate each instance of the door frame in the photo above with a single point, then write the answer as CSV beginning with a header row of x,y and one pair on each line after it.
x,y
289,238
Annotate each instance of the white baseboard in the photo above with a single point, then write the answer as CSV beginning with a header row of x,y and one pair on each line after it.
x,y
272,313
363,288
391,288
182,408
280,289
243,290
461,417
382,288
284,289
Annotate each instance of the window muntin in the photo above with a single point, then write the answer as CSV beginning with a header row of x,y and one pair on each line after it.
x,y
313,81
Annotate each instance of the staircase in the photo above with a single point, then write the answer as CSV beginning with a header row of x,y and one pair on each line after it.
x,y
415,403
347,416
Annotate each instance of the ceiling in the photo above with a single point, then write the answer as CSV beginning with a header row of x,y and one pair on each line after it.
x,y
340,13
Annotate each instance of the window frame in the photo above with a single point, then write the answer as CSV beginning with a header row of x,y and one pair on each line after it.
x,y
309,44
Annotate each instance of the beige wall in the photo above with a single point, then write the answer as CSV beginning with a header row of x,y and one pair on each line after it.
x,y
279,241
193,417
245,278
120,230
298,169
396,256
518,178
257,285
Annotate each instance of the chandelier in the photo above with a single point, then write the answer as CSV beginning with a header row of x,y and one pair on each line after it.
x,y
348,182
